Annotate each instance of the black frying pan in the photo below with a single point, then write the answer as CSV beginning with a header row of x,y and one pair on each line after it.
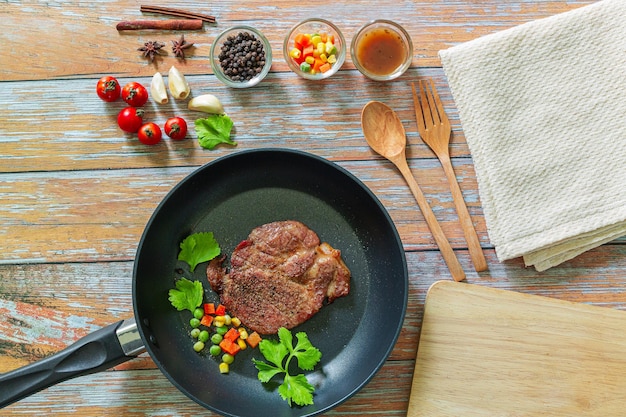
x,y
229,197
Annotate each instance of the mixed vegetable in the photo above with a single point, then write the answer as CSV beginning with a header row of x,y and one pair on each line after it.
x,y
211,130
314,53
212,326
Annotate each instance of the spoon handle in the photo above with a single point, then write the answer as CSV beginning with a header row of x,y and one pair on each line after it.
x,y
473,243
442,242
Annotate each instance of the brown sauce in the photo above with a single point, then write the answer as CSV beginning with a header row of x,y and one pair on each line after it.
x,y
381,51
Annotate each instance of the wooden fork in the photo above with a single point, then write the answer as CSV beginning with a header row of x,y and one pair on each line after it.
x,y
434,128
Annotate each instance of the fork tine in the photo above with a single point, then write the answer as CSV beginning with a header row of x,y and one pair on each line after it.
x,y
439,105
429,114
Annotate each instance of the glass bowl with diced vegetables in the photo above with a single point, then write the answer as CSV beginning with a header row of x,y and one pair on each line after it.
x,y
314,49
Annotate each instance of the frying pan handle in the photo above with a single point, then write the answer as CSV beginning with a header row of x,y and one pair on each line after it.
x,y
100,350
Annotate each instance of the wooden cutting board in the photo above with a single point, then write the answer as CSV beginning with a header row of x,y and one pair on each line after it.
x,y
487,352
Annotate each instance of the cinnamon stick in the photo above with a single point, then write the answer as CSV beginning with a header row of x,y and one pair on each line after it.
x,y
183,24
176,12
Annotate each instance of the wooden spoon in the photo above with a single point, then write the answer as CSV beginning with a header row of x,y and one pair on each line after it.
x,y
385,134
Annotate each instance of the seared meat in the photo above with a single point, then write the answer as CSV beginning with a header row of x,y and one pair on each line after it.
x,y
279,276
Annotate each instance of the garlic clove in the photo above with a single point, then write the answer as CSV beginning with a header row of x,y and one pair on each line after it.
x,y
157,89
178,84
206,103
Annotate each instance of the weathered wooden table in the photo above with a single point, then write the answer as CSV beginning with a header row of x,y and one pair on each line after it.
x,y
76,192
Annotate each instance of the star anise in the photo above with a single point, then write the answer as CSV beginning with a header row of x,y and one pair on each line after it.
x,y
151,49
178,47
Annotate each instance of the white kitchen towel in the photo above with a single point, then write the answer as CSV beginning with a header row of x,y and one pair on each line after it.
x,y
543,108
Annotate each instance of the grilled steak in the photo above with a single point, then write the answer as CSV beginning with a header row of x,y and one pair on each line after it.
x,y
279,276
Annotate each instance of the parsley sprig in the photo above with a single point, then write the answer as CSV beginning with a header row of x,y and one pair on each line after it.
x,y
187,295
279,353
213,130
198,248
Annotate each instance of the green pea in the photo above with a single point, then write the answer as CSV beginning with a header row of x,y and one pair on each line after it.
x,y
195,333
198,313
215,350
222,330
216,338
194,322
228,358
203,336
198,346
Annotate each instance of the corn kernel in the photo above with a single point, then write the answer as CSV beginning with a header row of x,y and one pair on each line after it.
x,y
323,57
315,39
295,53
321,47
309,60
242,344
330,48
227,320
243,333
224,368
235,322
332,59
219,321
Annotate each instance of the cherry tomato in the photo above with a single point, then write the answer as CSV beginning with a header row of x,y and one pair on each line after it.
x,y
134,94
108,88
176,128
130,119
149,134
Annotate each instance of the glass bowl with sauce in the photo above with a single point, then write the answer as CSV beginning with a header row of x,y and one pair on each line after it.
x,y
382,50
304,54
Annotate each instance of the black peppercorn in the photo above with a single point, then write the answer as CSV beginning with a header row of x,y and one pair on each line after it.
x,y
242,56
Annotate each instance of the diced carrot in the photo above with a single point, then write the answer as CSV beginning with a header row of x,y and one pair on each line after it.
x,y
209,308
308,50
253,339
206,320
302,40
324,37
331,38
317,64
232,334
220,310
325,67
229,347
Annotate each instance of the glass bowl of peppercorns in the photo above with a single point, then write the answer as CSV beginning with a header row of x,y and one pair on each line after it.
x,y
241,56
314,49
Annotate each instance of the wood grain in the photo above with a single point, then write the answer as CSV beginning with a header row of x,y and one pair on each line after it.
x,y
92,215
591,278
37,134
76,192
90,30
527,355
